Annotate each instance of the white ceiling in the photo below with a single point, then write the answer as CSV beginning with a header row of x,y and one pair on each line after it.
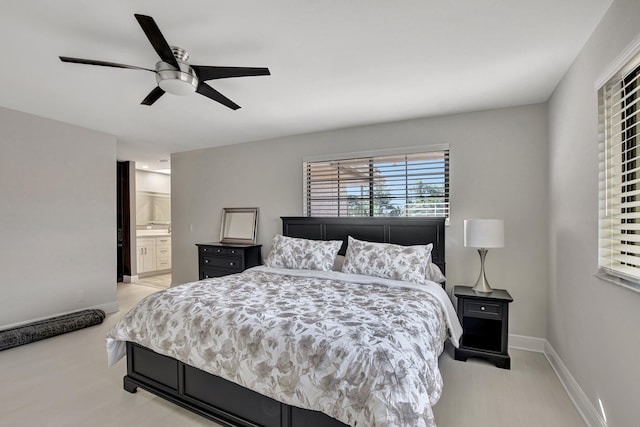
x,y
334,63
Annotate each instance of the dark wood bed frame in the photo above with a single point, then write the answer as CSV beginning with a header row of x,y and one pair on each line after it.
x,y
232,405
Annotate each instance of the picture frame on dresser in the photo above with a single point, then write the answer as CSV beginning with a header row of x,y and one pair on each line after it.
x,y
239,226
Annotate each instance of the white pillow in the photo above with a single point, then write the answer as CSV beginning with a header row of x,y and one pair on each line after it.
x,y
302,254
434,273
388,261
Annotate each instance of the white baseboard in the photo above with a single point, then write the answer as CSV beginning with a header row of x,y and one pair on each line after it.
x,y
582,403
522,342
151,273
580,400
110,307
130,279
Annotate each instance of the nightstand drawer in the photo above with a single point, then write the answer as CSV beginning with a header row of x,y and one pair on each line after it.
x,y
487,310
223,262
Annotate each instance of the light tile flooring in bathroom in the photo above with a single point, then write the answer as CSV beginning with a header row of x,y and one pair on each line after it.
x,y
159,281
65,381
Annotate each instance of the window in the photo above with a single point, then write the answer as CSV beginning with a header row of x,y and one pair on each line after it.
x,y
619,216
408,183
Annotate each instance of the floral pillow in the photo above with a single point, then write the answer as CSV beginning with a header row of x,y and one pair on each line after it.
x,y
302,254
385,260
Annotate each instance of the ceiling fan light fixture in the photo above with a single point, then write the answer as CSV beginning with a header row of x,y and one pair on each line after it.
x,y
180,82
177,86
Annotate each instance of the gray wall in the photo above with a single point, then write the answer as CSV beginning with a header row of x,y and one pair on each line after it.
x,y
593,325
57,218
498,170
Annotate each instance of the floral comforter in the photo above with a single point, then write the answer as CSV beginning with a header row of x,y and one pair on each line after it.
x,y
360,349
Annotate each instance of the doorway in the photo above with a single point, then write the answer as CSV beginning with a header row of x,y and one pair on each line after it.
x,y
123,209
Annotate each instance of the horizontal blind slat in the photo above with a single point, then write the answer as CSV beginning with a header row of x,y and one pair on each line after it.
x,y
619,174
407,184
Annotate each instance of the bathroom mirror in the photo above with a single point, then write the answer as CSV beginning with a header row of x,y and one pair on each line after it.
x,y
239,225
153,208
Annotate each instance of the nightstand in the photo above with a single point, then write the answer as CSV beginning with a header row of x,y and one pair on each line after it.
x,y
220,259
485,325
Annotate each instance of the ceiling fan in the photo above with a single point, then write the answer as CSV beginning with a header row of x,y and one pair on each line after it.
x,y
174,74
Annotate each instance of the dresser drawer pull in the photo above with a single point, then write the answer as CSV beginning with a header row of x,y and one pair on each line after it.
x,y
204,249
206,261
482,308
218,250
232,263
233,251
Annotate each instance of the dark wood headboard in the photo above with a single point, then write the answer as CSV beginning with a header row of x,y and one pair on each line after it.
x,y
397,230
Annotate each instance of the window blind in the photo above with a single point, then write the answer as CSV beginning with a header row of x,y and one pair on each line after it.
x,y
410,184
619,167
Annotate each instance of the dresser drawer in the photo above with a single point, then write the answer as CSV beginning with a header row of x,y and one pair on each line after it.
x,y
234,263
210,272
487,310
220,251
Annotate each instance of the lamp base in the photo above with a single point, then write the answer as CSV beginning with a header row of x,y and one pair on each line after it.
x,y
482,285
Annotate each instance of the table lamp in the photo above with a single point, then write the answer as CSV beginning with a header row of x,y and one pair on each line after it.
x,y
483,234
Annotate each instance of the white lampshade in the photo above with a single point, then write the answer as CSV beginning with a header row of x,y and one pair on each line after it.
x,y
484,233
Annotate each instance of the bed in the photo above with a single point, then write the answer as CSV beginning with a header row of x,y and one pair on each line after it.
x,y
232,381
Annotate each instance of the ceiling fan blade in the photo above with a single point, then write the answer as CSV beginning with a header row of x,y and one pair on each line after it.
x,y
101,63
209,92
153,96
210,73
157,40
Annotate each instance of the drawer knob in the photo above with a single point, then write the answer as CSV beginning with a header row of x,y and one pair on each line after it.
x,y
218,250
206,261
233,251
232,263
482,308
204,250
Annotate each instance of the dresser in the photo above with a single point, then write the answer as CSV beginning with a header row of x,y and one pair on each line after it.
x,y
219,259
